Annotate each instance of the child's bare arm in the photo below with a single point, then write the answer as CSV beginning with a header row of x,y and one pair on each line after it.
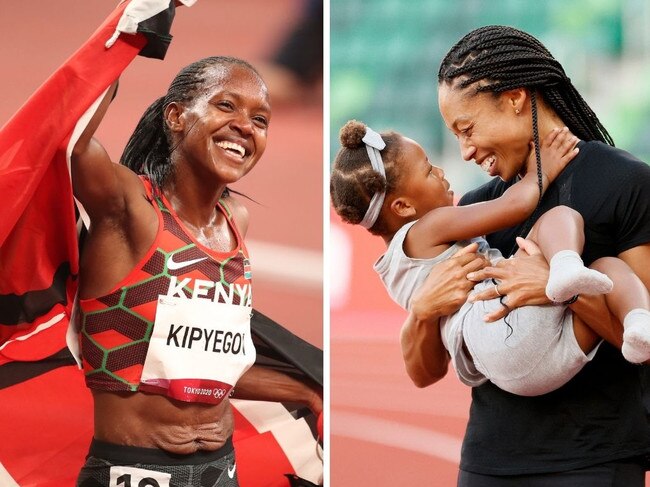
x,y
449,224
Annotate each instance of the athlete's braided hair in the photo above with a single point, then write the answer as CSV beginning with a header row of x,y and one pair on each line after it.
x,y
504,58
354,182
498,58
148,150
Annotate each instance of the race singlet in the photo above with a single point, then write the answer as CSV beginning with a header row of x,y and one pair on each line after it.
x,y
198,349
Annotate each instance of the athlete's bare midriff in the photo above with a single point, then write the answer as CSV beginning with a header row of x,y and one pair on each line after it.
x,y
154,421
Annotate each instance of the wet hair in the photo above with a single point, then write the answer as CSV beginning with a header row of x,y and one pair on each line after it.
x,y
149,148
497,58
354,182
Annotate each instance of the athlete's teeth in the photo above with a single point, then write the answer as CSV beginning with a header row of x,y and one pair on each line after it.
x,y
485,165
233,146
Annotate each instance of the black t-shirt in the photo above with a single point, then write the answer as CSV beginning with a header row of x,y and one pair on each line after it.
x,y
598,416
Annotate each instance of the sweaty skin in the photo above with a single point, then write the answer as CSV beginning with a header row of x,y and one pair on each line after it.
x,y
233,108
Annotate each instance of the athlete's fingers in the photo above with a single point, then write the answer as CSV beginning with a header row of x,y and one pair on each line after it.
x,y
486,294
487,272
478,263
445,288
496,315
468,259
468,249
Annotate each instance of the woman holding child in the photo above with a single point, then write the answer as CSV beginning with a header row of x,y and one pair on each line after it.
x,y
499,90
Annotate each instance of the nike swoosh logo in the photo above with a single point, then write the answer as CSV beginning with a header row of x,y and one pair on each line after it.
x,y
231,470
172,265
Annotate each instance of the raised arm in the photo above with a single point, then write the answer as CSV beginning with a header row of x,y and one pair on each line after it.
x,y
444,292
97,182
452,223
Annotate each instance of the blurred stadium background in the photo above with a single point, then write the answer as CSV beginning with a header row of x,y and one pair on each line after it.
x,y
384,57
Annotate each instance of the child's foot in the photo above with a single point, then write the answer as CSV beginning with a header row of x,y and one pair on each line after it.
x,y
636,337
568,276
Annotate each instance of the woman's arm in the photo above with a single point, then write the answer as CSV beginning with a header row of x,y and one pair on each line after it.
x,y
452,223
444,292
593,310
262,384
425,358
97,182
637,258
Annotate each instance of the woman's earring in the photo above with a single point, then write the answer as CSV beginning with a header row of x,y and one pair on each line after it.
x,y
517,111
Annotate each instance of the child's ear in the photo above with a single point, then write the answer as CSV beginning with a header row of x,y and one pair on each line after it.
x,y
403,207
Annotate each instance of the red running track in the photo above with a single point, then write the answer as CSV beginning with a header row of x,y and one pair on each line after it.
x,y
383,430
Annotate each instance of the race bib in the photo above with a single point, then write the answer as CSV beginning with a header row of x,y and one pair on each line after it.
x,y
138,477
198,349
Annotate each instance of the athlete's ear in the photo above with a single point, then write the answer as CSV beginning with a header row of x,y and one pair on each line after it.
x,y
516,99
175,116
402,207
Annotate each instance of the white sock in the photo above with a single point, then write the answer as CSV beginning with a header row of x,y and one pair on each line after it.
x,y
636,337
568,276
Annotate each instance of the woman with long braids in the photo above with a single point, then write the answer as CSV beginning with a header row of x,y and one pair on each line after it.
x,y
165,284
500,89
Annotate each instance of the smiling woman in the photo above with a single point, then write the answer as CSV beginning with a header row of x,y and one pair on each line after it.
x,y
501,93
214,85
165,228
490,128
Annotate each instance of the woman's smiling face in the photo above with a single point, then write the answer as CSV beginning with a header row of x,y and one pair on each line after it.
x,y
490,130
225,127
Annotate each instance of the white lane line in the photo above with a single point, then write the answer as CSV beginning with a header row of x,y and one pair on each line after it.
x,y
398,435
290,266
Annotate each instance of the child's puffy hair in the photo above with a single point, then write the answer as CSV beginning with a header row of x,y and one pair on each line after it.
x,y
353,181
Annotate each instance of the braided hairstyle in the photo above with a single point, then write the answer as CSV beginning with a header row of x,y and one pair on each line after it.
x,y
354,182
497,58
504,58
149,149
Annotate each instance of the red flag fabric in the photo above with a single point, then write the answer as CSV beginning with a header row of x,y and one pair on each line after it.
x,y
38,244
45,409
